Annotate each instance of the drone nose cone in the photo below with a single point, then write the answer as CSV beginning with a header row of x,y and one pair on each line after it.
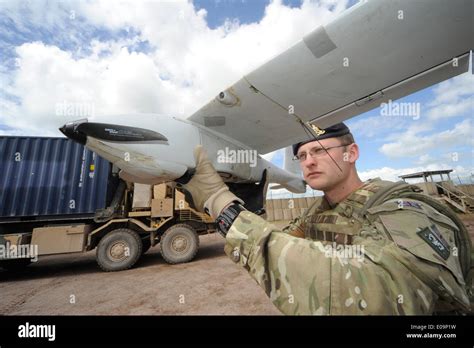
x,y
66,130
70,130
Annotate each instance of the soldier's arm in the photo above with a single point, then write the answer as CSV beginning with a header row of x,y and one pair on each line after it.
x,y
302,276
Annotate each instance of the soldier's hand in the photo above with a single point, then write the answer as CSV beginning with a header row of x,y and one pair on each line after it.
x,y
207,188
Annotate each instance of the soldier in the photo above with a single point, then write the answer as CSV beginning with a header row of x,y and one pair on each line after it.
x,y
373,247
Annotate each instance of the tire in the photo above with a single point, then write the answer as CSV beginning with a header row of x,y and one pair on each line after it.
x,y
15,265
146,244
112,253
179,244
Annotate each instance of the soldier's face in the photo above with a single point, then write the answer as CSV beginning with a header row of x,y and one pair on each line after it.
x,y
319,171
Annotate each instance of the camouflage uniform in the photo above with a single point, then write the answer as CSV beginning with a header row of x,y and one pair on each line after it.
x,y
400,258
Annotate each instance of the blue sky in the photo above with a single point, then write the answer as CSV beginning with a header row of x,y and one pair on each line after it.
x,y
54,51
219,11
245,11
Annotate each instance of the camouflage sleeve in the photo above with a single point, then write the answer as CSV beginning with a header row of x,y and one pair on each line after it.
x,y
301,276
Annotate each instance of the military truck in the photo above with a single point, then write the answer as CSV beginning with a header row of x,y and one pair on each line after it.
x,y
121,234
121,220
140,222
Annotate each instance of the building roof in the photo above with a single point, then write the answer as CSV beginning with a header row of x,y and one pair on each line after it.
x,y
425,174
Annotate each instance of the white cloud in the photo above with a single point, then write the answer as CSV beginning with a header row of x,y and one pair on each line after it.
x,y
412,143
425,159
283,193
187,65
453,97
392,174
453,109
373,126
47,76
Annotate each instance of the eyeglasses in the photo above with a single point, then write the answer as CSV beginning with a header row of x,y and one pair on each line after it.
x,y
315,152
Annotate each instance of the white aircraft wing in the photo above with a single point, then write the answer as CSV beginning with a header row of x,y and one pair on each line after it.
x,y
375,51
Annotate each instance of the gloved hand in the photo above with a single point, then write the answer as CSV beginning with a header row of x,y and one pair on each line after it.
x,y
207,188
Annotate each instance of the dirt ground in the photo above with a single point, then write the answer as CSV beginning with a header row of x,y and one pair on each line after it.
x,y
468,220
74,285
210,284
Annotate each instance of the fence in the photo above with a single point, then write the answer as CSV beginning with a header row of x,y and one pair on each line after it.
x,y
287,208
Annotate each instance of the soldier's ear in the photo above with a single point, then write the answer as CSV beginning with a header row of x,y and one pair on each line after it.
x,y
351,154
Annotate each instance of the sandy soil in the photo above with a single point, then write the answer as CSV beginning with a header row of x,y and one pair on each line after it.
x,y
74,284
211,284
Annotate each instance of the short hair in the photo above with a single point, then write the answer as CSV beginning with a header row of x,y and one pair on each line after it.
x,y
346,139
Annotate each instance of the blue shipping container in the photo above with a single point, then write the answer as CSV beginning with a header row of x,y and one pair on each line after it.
x,y
41,176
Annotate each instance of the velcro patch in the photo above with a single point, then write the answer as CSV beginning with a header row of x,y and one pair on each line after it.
x,y
432,236
403,204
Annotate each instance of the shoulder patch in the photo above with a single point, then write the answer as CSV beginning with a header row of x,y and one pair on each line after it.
x,y
403,204
432,236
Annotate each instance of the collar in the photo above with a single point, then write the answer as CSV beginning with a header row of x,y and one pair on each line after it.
x,y
351,196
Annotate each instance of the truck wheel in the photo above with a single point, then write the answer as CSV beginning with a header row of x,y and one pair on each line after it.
x,y
179,244
119,250
15,265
